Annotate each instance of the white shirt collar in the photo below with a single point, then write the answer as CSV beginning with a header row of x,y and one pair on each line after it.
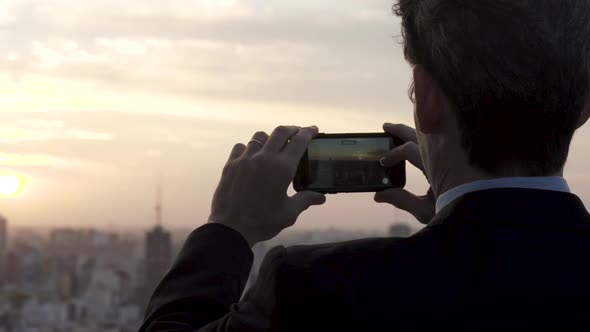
x,y
553,183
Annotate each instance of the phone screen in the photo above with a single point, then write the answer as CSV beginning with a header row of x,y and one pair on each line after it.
x,y
348,163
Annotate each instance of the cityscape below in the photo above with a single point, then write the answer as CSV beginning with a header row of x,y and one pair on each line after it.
x,y
87,280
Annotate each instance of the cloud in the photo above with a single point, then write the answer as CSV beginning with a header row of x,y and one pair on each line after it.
x,y
153,153
88,135
341,54
69,11
53,55
42,123
36,129
46,160
12,159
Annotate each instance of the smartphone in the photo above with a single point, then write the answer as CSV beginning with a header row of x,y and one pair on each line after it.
x,y
349,163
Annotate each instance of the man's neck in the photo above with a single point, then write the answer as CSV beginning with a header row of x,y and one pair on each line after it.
x,y
448,179
464,175
551,183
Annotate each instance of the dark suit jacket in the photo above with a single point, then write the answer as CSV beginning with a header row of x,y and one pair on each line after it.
x,y
497,260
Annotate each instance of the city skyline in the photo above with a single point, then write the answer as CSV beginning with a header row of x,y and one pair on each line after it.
x,y
84,279
99,98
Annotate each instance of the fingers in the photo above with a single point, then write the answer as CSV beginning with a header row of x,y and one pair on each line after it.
x,y
407,134
304,200
408,151
280,137
237,152
420,207
400,198
299,143
258,141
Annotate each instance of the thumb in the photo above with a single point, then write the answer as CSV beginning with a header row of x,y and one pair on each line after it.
x,y
304,199
400,198
405,200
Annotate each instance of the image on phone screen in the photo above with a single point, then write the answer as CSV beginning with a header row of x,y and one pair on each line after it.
x,y
347,163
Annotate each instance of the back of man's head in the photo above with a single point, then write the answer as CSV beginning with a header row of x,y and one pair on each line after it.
x,y
516,72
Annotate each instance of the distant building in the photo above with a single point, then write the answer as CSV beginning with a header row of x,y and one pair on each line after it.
x,y
3,248
10,273
158,250
3,237
158,255
87,240
24,265
400,230
65,271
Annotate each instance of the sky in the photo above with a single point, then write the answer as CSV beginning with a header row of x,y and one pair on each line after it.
x,y
98,98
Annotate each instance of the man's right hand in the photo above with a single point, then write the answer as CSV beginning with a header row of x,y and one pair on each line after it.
x,y
421,207
252,195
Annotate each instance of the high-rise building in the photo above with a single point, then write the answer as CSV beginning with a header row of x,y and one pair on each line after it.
x,y
158,255
3,237
3,248
158,249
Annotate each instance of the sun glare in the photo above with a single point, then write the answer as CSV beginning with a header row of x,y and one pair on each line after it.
x,y
11,185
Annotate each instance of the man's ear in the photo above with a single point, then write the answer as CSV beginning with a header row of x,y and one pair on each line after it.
x,y
429,100
585,114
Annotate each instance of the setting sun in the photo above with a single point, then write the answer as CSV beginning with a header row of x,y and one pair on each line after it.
x,y
11,184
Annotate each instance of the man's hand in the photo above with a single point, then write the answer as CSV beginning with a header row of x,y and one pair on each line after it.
x,y
421,207
252,194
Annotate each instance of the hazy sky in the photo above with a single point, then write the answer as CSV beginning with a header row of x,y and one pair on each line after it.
x,y
99,97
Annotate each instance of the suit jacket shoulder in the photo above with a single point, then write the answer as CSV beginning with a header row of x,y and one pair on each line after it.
x,y
492,259
329,282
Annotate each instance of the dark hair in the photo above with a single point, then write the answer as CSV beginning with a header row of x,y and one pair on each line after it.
x,y
517,73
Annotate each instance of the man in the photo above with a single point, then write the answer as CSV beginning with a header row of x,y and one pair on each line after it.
x,y
500,87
